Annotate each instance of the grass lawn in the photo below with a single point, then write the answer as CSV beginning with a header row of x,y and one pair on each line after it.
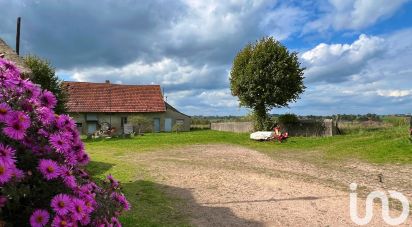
x,y
151,207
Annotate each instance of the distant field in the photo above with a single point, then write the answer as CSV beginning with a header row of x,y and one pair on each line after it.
x,y
153,208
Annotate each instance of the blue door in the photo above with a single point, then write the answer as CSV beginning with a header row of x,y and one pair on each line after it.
x,y
156,124
168,124
91,127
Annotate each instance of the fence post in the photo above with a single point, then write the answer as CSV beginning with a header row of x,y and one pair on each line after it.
x,y
410,122
410,126
328,127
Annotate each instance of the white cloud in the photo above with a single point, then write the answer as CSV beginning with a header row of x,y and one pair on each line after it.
x,y
354,14
167,72
394,93
219,98
283,21
381,83
206,102
217,21
337,62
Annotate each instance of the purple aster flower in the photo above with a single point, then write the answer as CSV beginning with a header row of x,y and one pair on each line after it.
x,y
60,142
11,84
121,199
83,158
27,106
17,122
116,222
4,111
49,168
85,220
70,181
47,149
48,99
83,174
61,204
7,154
15,131
70,159
92,187
18,116
29,142
32,90
45,115
5,172
3,201
114,183
39,218
9,67
78,146
59,221
85,191
18,174
16,126
43,133
65,122
76,135
67,176
90,204
79,209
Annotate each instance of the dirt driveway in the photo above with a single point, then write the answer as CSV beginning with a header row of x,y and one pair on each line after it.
x,y
224,185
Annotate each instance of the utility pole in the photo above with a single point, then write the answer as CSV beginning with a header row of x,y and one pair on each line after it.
x,y
18,36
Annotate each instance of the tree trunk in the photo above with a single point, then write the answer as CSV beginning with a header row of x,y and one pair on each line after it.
x,y
261,118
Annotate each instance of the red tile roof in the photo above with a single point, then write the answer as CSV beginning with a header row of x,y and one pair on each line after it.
x,y
87,97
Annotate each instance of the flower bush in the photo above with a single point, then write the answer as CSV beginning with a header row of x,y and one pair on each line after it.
x,y
42,161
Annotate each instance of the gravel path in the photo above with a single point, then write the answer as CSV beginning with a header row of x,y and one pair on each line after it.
x,y
224,185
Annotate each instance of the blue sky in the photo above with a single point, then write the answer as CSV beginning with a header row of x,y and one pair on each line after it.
x,y
357,53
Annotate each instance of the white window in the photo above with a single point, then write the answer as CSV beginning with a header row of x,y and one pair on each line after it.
x,y
180,122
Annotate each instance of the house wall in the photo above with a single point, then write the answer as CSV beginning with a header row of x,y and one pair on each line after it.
x,y
115,119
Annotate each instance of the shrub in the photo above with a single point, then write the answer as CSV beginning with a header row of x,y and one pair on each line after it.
x,y
397,121
288,119
42,161
177,128
141,124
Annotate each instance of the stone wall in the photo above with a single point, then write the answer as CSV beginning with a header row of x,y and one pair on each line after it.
x,y
232,126
326,127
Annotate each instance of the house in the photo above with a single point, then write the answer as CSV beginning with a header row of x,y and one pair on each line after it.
x,y
8,53
92,104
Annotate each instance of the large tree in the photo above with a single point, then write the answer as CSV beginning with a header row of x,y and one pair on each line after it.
x,y
44,74
265,75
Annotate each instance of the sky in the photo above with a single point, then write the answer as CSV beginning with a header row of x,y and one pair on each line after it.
x,y
357,53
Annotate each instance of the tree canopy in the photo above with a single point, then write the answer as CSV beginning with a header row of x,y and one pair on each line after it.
x,y
44,74
265,75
